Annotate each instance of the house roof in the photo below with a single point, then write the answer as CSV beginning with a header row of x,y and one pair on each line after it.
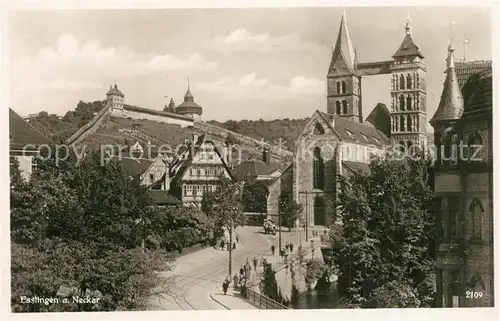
x,y
21,133
134,166
185,159
465,70
163,198
251,169
156,112
355,167
352,131
482,96
189,106
408,48
380,118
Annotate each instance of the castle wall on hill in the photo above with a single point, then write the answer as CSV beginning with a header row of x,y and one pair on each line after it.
x,y
124,113
92,126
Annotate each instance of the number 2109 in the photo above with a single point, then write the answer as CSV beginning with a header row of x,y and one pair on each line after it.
x,y
473,294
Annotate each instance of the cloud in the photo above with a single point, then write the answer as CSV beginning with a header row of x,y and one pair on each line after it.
x,y
249,86
55,67
58,84
243,40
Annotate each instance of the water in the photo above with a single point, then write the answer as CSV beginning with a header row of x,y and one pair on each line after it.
x,y
319,299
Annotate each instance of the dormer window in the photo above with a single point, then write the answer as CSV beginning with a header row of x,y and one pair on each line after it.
x,y
351,135
364,137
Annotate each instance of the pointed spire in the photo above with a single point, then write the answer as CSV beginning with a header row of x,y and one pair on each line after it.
x,y
188,96
451,105
408,25
343,46
172,103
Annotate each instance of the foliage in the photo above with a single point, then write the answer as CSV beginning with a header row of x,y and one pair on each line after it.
x,y
179,227
386,231
15,173
58,129
290,210
272,130
78,227
254,196
393,294
314,270
224,205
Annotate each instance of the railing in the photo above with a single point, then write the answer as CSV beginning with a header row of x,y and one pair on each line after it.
x,y
261,301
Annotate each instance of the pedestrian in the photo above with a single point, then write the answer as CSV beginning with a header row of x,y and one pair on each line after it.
x,y
291,247
222,244
237,238
224,286
235,280
255,262
242,271
286,246
273,249
234,246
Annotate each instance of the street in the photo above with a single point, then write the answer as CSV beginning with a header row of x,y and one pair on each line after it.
x,y
196,275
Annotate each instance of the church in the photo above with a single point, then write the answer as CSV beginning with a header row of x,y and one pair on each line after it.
x,y
340,141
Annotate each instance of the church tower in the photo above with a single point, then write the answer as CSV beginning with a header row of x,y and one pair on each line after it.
x,y
408,95
343,84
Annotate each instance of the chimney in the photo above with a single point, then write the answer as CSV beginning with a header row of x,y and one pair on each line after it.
x,y
167,177
266,158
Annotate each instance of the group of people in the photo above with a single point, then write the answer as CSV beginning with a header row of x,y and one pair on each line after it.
x,y
288,248
240,280
224,244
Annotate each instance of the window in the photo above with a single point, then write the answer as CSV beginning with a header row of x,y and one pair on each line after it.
x,y
344,87
364,137
409,125
151,177
338,87
401,103
318,169
376,139
318,129
191,171
453,216
351,135
195,190
408,103
188,190
210,155
402,82
402,123
344,107
476,211
408,81
198,172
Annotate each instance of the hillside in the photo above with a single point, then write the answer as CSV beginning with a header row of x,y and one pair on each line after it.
x,y
271,131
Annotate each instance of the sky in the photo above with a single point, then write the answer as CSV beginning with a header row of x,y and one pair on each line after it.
x,y
263,63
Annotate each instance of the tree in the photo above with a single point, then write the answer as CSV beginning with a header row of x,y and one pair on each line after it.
x,y
75,227
254,197
387,230
393,294
224,205
290,210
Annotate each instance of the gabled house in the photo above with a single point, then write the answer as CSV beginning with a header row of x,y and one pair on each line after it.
x,y
197,169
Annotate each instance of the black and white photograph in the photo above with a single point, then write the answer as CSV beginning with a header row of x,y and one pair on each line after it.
x,y
332,157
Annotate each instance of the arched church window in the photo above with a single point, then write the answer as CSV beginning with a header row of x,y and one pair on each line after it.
x,y
344,87
408,103
408,81
401,146
338,108
408,125
318,129
344,107
318,169
402,123
338,87
476,211
402,82
401,103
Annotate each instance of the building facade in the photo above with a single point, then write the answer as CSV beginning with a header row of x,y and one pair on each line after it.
x,y
463,136
341,141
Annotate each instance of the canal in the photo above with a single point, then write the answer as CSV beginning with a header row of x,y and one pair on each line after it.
x,y
326,298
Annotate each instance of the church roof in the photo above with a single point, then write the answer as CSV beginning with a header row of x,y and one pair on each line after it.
x,y
408,48
352,131
380,118
114,91
356,167
22,133
343,46
251,169
451,105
